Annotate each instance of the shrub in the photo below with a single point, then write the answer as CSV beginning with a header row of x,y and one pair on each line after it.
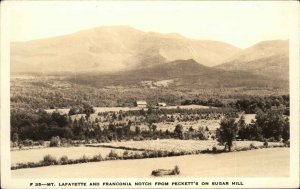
x,y
63,160
27,142
287,143
176,170
55,141
83,159
125,153
145,154
112,154
272,139
137,156
266,144
97,158
49,160
214,149
22,165
31,164
41,142
159,153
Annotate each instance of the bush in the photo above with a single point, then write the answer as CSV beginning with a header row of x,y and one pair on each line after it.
x,y
113,155
176,170
32,164
287,143
214,149
125,153
145,154
97,158
27,142
55,141
266,144
49,160
41,142
83,159
137,156
63,160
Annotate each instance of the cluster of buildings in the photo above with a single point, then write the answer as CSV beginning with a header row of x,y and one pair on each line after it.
x,y
143,104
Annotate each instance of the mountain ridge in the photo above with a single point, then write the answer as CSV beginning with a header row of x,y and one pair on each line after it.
x,y
112,49
187,74
268,58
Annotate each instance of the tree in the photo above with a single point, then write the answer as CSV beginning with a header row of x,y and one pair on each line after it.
x,y
286,130
137,130
178,131
55,141
273,124
61,120
73,111
88,110
15,139
227,132
201,133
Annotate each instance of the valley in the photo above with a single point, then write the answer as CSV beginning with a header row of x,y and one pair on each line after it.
x,y
114,98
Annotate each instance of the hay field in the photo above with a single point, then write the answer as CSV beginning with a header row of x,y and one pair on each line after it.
x,y
179,145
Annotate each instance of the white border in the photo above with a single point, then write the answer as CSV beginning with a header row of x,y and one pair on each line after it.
x,y
290,182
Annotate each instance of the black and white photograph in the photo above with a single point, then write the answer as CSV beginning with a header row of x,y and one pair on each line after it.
x,y
149,94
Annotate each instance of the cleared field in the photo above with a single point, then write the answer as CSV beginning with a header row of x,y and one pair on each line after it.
x,y
188,107
178,145
35,155
212,125
117,109
272,162
249,118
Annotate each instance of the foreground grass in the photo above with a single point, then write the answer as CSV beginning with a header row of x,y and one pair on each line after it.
x,y
267,162
160,149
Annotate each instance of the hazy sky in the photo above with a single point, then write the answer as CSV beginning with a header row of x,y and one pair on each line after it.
x,y
239,23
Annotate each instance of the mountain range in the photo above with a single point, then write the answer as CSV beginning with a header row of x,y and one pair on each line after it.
x,y
111,49
129,55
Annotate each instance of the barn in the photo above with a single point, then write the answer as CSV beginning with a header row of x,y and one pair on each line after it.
x,y
141,104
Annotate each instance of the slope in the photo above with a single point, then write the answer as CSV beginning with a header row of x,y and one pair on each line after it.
x,y
112,49
267,58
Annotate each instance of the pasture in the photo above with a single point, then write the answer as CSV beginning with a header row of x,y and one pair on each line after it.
x,y
179,145
117,109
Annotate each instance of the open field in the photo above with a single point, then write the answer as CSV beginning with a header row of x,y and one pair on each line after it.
x,y
271,162
117,109
35,155
178,145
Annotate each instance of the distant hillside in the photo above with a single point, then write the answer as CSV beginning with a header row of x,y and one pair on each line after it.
x,y
183,74
267,58
112,49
